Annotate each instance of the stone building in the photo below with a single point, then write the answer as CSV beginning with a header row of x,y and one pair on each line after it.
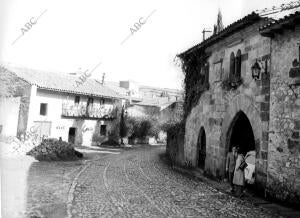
x,y
51,105
173,113
242,89
145,101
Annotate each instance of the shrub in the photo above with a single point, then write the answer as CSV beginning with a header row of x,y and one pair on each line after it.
x,y
231,83
54,150
142,127
123,127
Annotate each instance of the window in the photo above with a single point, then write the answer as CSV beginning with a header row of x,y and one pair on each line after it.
x,y
102,101
77,99
43,109
232,66
238,64
103,130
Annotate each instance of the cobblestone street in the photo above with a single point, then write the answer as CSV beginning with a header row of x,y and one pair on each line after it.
x,y
137,183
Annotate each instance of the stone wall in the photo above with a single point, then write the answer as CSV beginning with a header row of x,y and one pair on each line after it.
x,y
143,111
13,86
217,108
284,140
172,114
175,144
9,110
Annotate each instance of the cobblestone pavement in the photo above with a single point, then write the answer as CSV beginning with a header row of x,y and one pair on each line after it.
x,y
136,183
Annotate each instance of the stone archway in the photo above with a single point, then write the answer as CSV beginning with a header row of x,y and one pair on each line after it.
x,y
201,148
240,133
246,105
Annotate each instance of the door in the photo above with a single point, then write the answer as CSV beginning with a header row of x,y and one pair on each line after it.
x,y
72,135
201,144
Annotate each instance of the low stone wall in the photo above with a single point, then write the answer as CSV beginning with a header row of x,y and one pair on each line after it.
x,y
175,144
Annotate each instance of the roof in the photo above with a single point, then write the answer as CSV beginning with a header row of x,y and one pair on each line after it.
x,y
62,82
115,86
157,89
154,102
172,105
272,19
275,26
241,23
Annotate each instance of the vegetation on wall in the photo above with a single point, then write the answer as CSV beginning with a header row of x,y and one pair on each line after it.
x,y
229,84
196,71
175,142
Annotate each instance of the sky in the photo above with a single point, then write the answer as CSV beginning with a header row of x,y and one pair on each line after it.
x,y
127,40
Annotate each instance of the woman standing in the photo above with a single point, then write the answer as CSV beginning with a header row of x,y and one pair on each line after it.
x,y
238,177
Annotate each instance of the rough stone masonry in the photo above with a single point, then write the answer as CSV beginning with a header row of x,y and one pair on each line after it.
x,y
269,102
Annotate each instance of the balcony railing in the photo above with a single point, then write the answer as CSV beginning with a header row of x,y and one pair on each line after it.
x,y
91,111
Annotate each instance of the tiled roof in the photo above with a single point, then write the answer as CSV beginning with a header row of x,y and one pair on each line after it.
x,y
271,20
150,88
277,24
243,22
153,102
115,86
62,82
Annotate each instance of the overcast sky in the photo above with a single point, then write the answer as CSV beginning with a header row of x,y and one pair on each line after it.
x,y
73,35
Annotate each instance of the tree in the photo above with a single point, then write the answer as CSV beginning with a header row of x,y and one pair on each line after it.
x,y
123,127
145,128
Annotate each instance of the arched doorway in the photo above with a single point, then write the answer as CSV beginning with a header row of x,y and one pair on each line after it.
x,y
201,148
241,134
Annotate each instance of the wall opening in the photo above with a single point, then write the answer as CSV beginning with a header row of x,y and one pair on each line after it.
x,y
103,130
43,109
72,135
232,66
238,64
201,148
241,134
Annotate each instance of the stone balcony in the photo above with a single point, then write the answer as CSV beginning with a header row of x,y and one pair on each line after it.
x,y
93,111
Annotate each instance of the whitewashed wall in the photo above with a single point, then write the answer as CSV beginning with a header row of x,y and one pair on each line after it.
x,y
9,114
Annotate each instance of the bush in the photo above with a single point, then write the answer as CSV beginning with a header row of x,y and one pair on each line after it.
x,y
231,83
54,150
123,127
142,127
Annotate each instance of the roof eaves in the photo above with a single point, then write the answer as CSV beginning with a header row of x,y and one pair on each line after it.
x,y
277,24
249,19
77,92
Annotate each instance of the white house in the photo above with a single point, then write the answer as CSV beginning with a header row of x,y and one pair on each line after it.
x,y
52,105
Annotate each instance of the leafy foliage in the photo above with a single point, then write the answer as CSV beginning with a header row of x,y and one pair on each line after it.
x,y
175,141
53,150
142,127
123,127
196,72
231,83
